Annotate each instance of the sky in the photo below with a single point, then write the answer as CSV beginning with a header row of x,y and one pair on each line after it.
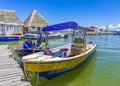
x,y
99,13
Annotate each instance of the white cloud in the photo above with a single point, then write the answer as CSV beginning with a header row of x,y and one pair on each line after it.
x,y
103,27
110,26
118,25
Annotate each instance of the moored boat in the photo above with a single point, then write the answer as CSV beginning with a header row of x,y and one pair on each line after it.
x,y
51,35
116,33
22,52
9,38
57,61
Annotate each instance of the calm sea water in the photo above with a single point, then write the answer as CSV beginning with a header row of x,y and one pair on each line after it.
x,y
102,70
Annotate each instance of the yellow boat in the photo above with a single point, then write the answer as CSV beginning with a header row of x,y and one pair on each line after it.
x,y
64,58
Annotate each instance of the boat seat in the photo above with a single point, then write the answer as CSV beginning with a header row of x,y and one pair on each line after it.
x,y
78,46
61,53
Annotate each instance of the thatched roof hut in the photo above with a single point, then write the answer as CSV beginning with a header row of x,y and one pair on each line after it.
x,y
35,20
8,17
10,23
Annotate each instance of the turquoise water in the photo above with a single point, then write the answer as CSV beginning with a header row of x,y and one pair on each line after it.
x,y
107,69
102,70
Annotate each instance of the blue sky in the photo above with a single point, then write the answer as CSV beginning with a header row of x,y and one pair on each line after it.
x,y
84,12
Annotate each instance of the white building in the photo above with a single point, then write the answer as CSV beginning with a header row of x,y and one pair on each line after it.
x,y
10,24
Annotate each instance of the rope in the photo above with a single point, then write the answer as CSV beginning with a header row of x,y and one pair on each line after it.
x,y
37,82
38,72
25,72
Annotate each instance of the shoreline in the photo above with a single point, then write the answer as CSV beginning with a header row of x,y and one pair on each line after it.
x,y
99,33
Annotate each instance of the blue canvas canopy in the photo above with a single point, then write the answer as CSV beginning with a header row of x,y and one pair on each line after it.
x,y
61,26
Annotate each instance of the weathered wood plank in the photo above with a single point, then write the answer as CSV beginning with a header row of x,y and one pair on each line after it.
x,y
10,63
21,84
15,82
8,66
4,83
6,72
11,78
10,72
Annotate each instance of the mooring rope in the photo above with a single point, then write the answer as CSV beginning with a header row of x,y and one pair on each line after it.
x,y
25,72
38,71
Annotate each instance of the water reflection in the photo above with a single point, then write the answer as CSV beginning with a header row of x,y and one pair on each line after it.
x,y
73,78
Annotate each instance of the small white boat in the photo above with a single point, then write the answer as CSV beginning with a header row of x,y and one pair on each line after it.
x,y
60,60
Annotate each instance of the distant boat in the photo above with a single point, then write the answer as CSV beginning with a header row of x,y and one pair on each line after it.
x,y
9,38
116,33
66,35
35,36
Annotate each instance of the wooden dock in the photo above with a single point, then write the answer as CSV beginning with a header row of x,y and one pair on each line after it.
x,y
10,72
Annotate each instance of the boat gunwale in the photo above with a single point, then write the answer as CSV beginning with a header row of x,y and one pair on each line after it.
x,y
29,61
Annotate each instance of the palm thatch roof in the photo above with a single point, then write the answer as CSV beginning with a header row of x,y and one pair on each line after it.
x,y
35,20
8,17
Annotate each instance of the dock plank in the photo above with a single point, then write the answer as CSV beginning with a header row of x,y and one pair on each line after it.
x,y
10,72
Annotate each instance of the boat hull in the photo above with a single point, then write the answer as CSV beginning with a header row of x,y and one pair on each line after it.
x,y
116,33
52,69
9,38
36,37
52,74
22,52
